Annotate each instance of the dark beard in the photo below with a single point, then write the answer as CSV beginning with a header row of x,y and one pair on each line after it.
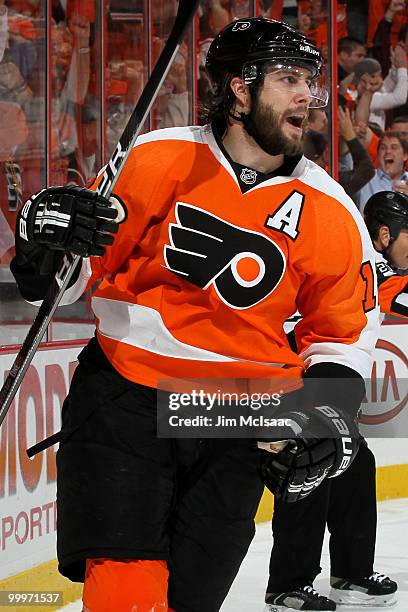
x,y
264,125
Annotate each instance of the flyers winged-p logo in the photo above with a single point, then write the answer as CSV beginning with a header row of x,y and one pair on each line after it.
x,y
243,265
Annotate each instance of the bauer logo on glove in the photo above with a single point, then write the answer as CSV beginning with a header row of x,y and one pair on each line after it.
x,y
71,219
324,444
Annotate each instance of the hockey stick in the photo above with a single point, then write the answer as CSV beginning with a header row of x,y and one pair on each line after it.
x,y
113,169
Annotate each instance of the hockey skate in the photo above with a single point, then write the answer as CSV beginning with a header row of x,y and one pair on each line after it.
x,y
375,590
301,598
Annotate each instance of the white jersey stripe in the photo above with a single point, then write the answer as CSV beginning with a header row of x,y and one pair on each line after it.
x,y
402,299
144,328
357,356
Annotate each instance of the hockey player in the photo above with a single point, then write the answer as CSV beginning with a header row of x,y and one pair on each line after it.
x,y
227,228
386,216
346,504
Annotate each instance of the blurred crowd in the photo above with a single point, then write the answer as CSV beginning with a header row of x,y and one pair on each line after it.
x,y
59,126
372,112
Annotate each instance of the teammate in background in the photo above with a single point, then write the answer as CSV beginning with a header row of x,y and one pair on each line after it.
x,y
228,228
346,504
386,217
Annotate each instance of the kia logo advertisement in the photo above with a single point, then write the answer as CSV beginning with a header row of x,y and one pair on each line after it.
x,y
387,390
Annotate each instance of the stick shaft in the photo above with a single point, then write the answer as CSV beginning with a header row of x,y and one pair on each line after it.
x,y
111,174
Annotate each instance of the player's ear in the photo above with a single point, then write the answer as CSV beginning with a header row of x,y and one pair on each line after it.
x,y
242,94
384,236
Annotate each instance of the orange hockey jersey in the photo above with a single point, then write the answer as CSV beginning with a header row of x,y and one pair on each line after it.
x,y
392,289
201,276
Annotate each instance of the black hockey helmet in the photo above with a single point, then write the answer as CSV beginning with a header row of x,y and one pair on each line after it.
x,y
388,208
243,45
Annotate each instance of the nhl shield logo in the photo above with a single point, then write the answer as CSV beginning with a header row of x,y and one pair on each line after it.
x,y
248,176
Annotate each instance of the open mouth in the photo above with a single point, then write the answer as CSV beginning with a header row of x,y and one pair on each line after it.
x,y
295,121
388,160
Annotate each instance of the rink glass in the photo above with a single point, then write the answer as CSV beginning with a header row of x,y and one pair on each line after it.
x,y
69,79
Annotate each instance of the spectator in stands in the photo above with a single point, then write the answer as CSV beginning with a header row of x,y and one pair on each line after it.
x,y
124,81
403,36
319,25
341,19
317,120
23,22
172,105
174,102
15,98
124,85
273,9
213,16
395,9
315,148
355,165
400,124
13,87
349,52
390,176
382,36
304,23
163,13
71,76
126,37
369,135
357,20
21,79
240,8
13,132
377,95
204,84
367,77
403,41
84,163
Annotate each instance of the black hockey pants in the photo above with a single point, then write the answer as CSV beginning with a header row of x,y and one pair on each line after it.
x,y
124,493
347,505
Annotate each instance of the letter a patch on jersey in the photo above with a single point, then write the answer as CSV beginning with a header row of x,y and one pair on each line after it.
x,y
286,218
244,266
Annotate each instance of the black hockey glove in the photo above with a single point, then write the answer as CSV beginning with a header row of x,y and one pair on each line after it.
x,y
326,442
69,219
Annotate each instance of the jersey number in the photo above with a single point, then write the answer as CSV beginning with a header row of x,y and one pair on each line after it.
x,y
369,300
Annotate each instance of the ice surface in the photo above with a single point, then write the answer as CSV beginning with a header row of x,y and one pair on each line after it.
x,y
247,592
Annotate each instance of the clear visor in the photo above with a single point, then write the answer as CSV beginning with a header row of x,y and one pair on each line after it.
x,y
292,79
